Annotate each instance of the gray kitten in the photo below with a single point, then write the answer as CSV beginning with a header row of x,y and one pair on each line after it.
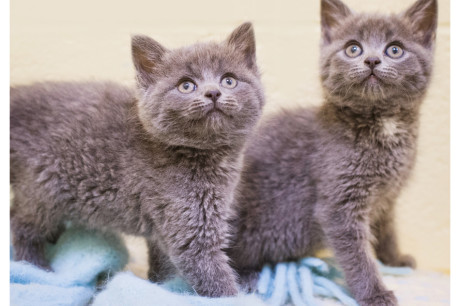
x,y
162,163
329,176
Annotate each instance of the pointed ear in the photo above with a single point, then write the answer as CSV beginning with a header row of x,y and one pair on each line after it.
x,y
423,17
332,13
243,40
147,53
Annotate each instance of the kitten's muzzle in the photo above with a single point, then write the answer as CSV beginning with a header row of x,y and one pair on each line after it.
x,y
213,108
372,62
214,95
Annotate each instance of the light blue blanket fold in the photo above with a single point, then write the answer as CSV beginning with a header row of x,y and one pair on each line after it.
x,y
127,289
81,259
78,259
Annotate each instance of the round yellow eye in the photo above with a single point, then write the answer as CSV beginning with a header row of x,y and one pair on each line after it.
x,y
353,50
229,82
394,51
186,87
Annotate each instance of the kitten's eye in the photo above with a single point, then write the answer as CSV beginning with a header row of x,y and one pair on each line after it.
x,y
186,87
353,50
229,82
394,51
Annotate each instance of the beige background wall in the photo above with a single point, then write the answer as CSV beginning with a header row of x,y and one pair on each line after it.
x,y
88,39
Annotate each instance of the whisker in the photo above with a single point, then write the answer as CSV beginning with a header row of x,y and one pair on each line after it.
x,y
196,104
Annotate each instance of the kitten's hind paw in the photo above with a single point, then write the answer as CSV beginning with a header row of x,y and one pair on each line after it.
x,y
155,277
406,261
401,261
385,298
248,280
33,254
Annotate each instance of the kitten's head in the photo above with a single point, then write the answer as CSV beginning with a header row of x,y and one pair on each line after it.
x,y
373,61
202,96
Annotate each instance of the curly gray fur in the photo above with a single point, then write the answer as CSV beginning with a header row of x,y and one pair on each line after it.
x,y
154,162
329,176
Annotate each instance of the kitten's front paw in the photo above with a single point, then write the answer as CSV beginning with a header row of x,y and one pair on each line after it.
x,y
219,289
385,298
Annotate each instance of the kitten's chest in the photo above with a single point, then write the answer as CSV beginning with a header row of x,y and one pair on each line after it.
x,y
386,165
221,174
388,144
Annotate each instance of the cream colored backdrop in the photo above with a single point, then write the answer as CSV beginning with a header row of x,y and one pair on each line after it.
x,y
90,40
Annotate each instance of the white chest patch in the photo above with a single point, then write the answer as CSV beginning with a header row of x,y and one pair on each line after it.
x,y
389,127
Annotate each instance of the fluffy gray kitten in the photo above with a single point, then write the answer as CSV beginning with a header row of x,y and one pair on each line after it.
x,y
162,163
329,176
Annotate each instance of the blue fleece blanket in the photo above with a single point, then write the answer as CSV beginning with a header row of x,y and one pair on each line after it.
x,y
85,265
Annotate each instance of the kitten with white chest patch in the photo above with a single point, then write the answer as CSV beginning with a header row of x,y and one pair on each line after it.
x,y
329,176
161,162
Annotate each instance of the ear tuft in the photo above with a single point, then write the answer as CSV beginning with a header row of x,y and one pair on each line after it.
x,y
146,53
423,17
243,40
332,13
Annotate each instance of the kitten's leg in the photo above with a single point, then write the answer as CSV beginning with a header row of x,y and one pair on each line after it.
x,y
160,267
28,242
31,230
54,234
347,232
207,271
196,250
385,243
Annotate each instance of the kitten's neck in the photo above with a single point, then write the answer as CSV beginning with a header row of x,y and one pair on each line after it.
x,y
376,124
204,156
148,142
370,115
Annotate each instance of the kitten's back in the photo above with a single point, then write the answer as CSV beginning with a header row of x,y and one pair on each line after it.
x,y
52,119
51,104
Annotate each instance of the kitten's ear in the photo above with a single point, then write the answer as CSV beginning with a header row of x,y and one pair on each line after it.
x,y
147,53
243,40
423,17
332,13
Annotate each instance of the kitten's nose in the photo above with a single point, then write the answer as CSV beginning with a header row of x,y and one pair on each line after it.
x,y
213,95
372,61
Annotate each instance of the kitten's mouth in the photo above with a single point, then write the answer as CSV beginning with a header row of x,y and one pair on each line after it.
x,y
372,78
215,111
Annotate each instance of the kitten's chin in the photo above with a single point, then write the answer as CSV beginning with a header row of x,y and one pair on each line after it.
x,y
216,120
372,88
